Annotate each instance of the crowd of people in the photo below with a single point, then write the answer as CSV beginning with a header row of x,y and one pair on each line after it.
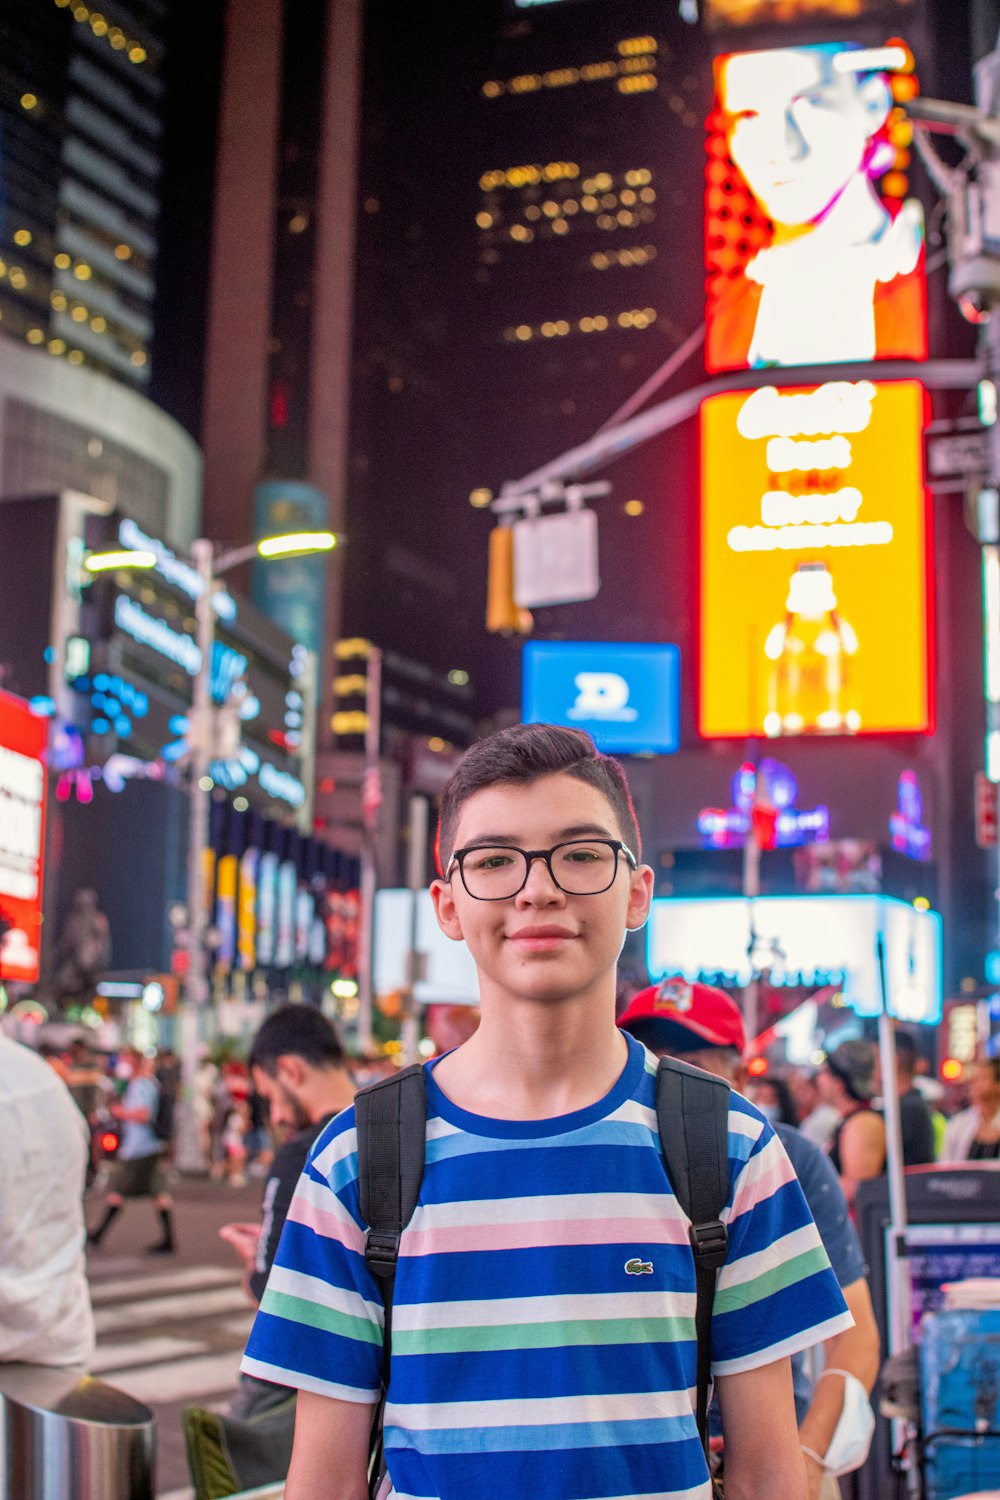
x,y
548,1260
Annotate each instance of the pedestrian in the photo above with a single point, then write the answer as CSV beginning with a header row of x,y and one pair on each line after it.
x,y
974,1133
818,1120
300,1072
915,1122
704,1027
45,1316
543,1336
847,1081
773,1098
137,1172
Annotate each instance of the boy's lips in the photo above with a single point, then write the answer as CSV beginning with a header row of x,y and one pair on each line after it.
x,y
537,939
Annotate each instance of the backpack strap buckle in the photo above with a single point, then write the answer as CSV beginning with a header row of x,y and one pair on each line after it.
x,y
381,1252
710,1243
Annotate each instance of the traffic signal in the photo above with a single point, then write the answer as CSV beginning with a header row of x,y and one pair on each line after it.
x,y
502,614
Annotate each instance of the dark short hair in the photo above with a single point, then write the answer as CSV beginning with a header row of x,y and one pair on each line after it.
x,y
906,1051
522,754
296,1031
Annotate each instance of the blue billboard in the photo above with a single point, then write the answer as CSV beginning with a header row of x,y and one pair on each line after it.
x,y
292,590
627,696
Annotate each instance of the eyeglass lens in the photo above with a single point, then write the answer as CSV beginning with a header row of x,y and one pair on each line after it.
x,y
582,868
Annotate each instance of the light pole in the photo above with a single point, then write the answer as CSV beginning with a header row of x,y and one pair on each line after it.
x,y
210,566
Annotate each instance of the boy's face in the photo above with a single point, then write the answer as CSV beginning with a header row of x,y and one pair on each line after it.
x,y
542,944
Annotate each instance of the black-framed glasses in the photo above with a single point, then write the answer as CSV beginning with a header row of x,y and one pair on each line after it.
x,y
579,867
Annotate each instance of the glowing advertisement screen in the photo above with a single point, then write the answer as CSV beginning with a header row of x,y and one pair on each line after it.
x,y
805,940
626,695
814,250
814,561
23,741
721,14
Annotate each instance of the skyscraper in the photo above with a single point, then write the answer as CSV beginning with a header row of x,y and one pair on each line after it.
x,y
81,105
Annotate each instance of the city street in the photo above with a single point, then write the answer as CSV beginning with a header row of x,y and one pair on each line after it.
x,y
170,1329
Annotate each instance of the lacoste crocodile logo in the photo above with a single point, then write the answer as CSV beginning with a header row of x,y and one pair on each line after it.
x,y
638,1268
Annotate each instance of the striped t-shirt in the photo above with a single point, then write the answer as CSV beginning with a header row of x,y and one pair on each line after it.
x,y
543,1336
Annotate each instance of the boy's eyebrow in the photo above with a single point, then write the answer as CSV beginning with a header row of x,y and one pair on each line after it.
x,y
577,831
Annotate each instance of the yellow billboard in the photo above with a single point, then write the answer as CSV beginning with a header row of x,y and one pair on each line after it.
x,y
815,561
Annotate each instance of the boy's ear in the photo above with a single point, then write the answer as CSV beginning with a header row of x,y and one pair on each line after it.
x,y
640,898
445,911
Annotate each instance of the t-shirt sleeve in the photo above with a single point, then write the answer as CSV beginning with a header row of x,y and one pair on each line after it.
x,y
319,1325
826,1202
776,1293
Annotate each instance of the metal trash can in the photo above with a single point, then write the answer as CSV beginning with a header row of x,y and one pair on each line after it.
x,y
66,1436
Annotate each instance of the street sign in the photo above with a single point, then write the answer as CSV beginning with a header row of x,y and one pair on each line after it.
x,y
986,811
555,559
961,453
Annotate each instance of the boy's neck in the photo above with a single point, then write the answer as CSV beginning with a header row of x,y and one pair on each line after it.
x,y
531,1060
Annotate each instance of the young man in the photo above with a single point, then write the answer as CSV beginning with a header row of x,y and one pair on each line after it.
x,y
137,1172
703,1026
543,1329
299,1069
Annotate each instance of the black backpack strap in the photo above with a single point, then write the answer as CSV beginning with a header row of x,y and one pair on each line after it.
x,y
692,1113
391,1120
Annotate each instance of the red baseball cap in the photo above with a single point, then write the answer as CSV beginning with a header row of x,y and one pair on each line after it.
x,y
675,1016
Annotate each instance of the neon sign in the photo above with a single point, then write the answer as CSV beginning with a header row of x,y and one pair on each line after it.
x,y
909,836
174,569
23,740
150,631
814,252
762,800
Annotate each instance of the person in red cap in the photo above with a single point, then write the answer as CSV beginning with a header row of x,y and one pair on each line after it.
x,y
704,1027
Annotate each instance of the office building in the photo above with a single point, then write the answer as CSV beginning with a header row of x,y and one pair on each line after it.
x,y
81,106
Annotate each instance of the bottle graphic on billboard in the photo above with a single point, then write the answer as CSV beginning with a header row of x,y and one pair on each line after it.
x,y
809,654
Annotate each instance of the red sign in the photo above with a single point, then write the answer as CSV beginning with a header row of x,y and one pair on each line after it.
x,y
986,811
23,742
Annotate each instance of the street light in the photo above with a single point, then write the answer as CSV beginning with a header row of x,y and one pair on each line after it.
x,y
211,566
104,562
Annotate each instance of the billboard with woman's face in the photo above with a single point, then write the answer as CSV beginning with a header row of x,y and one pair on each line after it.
x,y
814,253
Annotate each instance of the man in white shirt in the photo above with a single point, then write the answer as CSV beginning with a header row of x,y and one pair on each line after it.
x,y
45,1315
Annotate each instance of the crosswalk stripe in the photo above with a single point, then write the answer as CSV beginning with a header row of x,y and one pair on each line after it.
x,y
180,1307
172,1281
142,1352
184,1380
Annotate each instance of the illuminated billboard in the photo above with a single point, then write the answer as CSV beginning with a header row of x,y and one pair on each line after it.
x,y
720,14
814,561
626,695
808,940
23,741
814,252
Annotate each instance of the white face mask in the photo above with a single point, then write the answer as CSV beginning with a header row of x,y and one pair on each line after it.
x,y
852,1438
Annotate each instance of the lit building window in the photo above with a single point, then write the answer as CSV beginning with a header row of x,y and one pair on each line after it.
x,y
57,346
484,220
123,252
29,101
633,45
62,261
22,237
98,324
640,83
82,271
35,336
75,357
139,356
